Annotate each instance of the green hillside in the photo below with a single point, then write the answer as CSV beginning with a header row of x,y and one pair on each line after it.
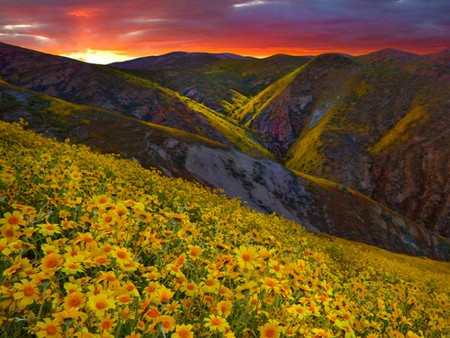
x,y
97,246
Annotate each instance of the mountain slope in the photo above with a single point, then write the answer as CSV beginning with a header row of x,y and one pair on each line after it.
x,y
378,124
261,183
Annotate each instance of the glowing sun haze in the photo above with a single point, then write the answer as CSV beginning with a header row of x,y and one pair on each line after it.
x,y
107,31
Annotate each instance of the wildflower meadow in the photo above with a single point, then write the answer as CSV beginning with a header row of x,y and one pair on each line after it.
x,y
96,246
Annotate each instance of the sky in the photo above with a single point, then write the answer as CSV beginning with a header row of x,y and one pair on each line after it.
x,y
104,31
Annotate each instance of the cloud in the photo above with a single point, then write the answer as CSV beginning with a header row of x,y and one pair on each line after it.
x,y
260,27
251,3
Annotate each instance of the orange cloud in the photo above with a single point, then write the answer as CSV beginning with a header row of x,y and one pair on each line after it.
x,y
82,13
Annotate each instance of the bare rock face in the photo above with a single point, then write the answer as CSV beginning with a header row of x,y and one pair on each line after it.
x,y
282,119
413,176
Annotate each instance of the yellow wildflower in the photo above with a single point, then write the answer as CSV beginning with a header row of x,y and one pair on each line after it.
x,y
26,293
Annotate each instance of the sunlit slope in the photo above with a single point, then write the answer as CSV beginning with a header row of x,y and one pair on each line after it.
x,y
233,133
101,129
94,244
253,107
262,184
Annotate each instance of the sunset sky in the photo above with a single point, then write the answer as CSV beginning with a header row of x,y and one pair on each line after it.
x,y
106,31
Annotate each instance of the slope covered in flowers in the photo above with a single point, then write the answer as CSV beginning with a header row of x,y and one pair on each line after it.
x,y
95,246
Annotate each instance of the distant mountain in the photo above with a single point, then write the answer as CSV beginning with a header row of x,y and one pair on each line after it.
x,y
263,184
175,60
212,78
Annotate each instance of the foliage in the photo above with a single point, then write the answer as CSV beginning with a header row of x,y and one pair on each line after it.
x,y
95,246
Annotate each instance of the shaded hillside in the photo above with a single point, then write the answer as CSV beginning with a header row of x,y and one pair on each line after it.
x,y
262,184
210,78
104,87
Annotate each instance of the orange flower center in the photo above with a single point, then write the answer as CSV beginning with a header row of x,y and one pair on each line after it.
x,y
164,297
152,313
124,299
271,283
28,291
270,332
100,260
74,301
216,321
183,333
195,252
13,220
121,254
51,262
246,257
106,324
51,329
101,304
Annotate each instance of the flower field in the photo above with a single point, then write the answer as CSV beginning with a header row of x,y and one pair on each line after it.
x,y
95,246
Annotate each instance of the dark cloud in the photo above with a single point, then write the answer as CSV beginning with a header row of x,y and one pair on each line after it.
x,y
140,27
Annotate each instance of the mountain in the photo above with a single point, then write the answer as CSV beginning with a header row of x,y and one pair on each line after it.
x,y
212,78
376,123
327,133
104,87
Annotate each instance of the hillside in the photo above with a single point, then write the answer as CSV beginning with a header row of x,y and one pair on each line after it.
x,y
92,244
108,88
262,184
